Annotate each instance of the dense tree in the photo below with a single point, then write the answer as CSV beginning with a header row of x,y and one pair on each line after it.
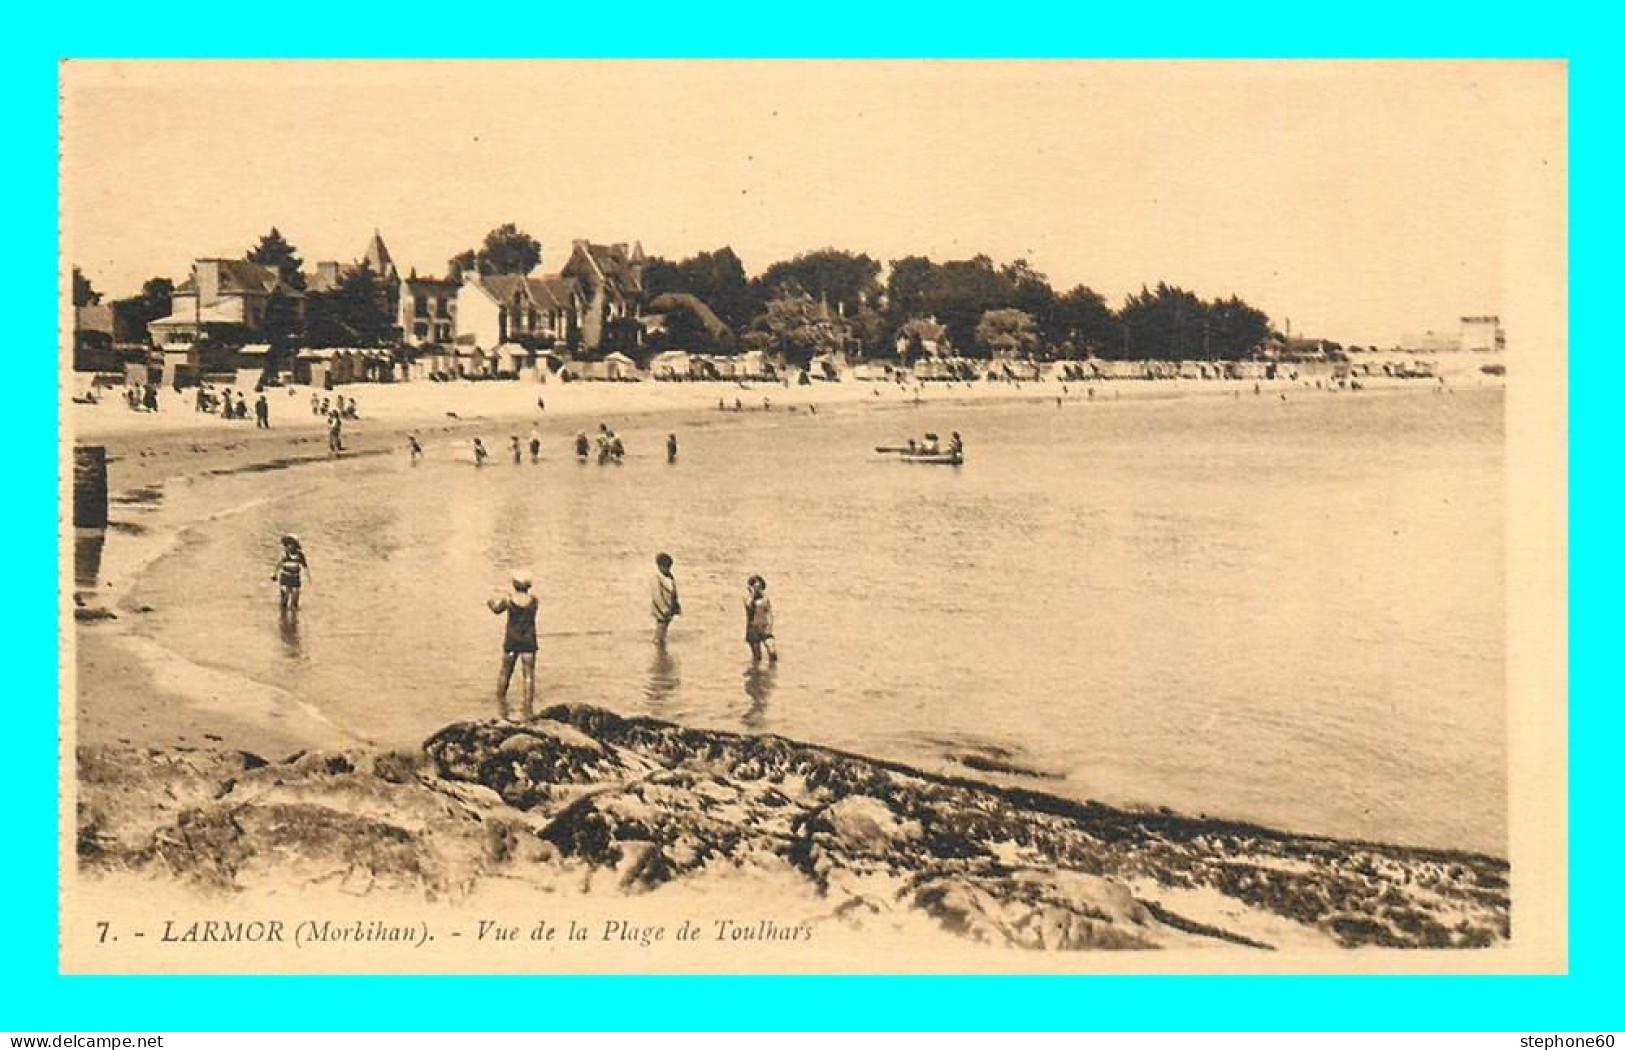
x,y
870,333
1008,333
1030,292
506,249
716,278
1083,324
1173,324
83,293
908,286
1236,329
461,263
843,279
157,298
1165,322
356,313
798,328
275,252
962,292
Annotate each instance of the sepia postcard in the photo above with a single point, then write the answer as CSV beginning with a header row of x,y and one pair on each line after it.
x,y
813,517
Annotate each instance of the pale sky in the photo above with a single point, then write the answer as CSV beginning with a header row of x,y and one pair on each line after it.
x,y
1364,201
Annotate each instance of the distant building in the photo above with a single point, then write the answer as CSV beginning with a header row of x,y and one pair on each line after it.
x,y
226,298
427,310
610,279
494,309
1482,334
105,334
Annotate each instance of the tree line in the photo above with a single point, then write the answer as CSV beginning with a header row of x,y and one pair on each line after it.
x,y
819,301
832,299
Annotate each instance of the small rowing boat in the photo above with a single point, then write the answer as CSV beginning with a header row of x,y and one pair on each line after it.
x,y
947,459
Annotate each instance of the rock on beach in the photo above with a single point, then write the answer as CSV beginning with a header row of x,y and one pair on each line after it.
x,y
635,804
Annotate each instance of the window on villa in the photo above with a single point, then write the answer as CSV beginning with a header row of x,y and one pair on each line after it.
x,y
441,308
421,330
420,307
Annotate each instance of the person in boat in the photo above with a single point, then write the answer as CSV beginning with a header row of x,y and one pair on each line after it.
x,y
913,446
291,569
931,447
759,621
663,601
956,445
518,643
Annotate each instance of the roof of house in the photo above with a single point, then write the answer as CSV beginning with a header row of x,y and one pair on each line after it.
x,y
612,263
98,317
239,277
226,311
552,291
669,301
430,285
377,256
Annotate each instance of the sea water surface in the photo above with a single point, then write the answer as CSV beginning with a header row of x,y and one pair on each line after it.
x,y
1289,612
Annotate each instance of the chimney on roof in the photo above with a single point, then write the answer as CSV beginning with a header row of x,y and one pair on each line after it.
x,y
208,281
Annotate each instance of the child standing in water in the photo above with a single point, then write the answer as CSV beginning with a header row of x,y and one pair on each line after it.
x,y
290,572
759,621
518,643
663,601
479,453
535,445
513,447
414,448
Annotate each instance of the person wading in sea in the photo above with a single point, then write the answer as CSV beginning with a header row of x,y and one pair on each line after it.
x,y
291,570
671,448
759,621
518,643
663,602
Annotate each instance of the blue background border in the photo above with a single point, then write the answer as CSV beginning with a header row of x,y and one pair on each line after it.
x,y
33,997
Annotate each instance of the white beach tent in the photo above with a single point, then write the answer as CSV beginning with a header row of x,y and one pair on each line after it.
x,y
671,364
618,366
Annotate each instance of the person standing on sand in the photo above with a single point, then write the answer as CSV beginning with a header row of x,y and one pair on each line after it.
x,y
518,643
671,448
663,601
535,445
335,434
262,413
513,448
290,572
759,621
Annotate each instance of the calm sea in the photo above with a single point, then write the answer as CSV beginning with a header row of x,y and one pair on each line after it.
x,y
1287,612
